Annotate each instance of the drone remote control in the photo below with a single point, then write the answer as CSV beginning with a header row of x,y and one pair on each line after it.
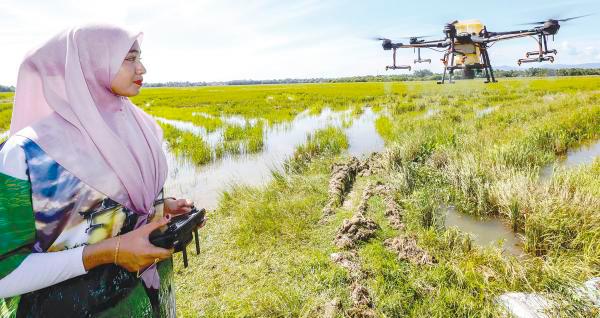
x,y
177,234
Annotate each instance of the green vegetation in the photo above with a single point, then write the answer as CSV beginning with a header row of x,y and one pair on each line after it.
x,y
269,255
274,103
323,143
6,100
270,258
239,139
187,144
266,251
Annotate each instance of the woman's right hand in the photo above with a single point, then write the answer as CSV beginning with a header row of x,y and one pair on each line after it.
x,y
135,250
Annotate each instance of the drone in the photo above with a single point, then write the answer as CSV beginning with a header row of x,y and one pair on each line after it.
x,y
466,43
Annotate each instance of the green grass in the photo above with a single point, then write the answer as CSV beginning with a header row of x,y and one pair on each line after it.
x,y
241,139
186,144
248,267
323,143
265,254
6,100
268,255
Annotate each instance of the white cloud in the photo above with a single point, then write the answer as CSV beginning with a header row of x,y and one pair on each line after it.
x,y
583,51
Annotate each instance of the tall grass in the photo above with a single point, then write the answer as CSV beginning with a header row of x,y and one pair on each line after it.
x,y
326,142
267,256
238,139
186,144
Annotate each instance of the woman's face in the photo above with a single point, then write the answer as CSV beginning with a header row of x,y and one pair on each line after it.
x,y
128,80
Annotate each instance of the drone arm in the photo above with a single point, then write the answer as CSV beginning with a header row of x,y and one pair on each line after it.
x,y
500,36
431,44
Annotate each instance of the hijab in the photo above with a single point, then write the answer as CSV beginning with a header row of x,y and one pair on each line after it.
x,y
64,103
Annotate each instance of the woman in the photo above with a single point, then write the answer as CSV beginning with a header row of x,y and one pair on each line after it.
x,y
81,180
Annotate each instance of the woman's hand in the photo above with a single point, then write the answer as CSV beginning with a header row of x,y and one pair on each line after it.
x,y
177,206
135,252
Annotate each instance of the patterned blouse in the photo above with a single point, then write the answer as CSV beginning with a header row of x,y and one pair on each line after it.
x,y
45,209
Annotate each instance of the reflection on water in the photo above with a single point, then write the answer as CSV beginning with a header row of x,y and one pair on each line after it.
x,y
363,139
484,112
212,138
583,155
431,113
204,184
485,231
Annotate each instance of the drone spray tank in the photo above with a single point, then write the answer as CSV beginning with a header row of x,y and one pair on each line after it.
x,y
465,52
470,54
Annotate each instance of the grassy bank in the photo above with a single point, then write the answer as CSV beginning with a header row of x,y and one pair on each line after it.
x,y
268,254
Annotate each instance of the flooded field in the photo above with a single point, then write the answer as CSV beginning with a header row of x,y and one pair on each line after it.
x,y
205,184
485,231
583,155
291,242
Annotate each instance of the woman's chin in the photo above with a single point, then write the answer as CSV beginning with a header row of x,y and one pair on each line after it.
x,y
132,92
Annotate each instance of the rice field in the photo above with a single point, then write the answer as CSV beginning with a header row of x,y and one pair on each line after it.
x,y
491,152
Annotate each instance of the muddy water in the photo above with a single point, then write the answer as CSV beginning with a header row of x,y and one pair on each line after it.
x,y
204,184
485,232
580,156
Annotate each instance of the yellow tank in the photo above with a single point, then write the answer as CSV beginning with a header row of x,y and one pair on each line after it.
x,y
469,26
470,51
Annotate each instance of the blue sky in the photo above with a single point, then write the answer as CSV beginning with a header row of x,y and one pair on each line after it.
x,y
218,40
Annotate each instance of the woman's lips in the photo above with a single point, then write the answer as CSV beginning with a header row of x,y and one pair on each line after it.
x,y
138,82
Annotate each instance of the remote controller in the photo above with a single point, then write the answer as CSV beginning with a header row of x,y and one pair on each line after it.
x,y
177,234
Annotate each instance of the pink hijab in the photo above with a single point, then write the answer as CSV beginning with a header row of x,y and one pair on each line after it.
x,y
64,103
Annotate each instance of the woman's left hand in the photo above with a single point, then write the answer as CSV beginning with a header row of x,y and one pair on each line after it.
x,y
177,206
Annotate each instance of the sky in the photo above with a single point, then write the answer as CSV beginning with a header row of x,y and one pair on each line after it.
x,y
221,40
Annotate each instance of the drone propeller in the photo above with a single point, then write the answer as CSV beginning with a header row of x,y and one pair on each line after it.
x,y
379,38
558,20
573,18
416,37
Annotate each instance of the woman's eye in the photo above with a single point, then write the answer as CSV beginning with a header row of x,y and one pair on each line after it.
x,y
133,59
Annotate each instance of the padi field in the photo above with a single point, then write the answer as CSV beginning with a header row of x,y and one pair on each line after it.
x,y
387,199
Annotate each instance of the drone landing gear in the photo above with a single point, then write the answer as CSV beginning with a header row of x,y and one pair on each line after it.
x,y
397,67
485,65
449,69
419,59
536,59
543,54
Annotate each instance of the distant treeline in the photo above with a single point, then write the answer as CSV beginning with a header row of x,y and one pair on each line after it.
x,y
7,89
534,72
419,75
424,75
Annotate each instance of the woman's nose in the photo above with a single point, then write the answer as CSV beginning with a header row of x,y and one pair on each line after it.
x,y
141,69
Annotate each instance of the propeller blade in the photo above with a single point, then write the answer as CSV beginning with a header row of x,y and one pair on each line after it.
x,y
416,37
553,19
379,38
532,23
573,18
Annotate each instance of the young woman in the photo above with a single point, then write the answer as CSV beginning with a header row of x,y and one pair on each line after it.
x,y
81,180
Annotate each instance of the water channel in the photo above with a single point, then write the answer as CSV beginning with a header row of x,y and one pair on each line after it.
x,y
485,231
488,231
204,184
585,154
